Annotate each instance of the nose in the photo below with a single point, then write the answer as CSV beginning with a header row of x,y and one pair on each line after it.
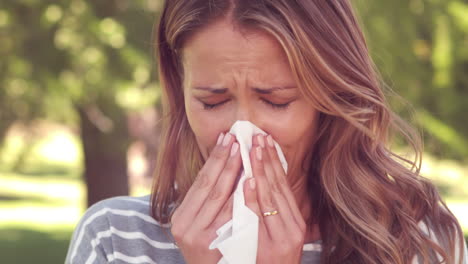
x,y
244,112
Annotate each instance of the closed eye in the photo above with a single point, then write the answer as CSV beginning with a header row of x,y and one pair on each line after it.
x,y
212,106
276,106
273,105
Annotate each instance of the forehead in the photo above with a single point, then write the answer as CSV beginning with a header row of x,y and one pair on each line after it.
x,y
223,45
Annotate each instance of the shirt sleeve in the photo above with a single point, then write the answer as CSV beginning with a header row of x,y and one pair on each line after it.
x,y
91,241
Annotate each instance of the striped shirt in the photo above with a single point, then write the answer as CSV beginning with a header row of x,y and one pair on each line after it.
x,y
121,230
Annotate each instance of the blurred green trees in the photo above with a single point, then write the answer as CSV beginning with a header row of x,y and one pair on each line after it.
x,y
421,47
86,63
89,64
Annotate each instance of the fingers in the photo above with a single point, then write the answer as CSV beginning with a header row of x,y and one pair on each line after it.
x,y
274,224
280,181
225,214
220,192
250,195
271,195
206,179
276,190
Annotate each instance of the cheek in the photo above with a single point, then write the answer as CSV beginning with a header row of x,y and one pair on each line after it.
x,y
204,126
295,134
294,129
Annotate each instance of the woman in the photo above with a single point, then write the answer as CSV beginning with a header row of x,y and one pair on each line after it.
x,y
299,70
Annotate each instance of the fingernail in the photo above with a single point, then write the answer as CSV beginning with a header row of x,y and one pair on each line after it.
x,y
226,140
220,138
252,184
259,153
270,140
234,149
261,141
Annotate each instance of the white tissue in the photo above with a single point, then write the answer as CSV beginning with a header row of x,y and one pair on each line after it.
x,y
237,239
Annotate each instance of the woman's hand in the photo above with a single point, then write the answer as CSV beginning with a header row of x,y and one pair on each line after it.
x,y
208,203
281,236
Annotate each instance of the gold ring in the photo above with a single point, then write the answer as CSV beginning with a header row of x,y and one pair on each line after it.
x,y
270,213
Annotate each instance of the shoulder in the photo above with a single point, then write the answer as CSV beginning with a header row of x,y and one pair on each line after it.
x,y
114,207
121,202
117,226
120,211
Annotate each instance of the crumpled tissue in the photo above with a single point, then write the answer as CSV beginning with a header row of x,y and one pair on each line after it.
x,y
237,239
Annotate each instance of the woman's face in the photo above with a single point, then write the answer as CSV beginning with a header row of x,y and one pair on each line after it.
x,y
229,76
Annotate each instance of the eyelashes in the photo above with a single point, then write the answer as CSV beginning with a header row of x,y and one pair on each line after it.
x,y
272,105
212,106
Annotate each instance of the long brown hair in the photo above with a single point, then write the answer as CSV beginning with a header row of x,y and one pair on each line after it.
x,y
369,202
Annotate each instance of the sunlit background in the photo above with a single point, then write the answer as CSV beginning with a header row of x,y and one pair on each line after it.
x,y
79,96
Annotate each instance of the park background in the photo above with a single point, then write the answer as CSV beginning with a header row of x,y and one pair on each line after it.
x,y
80,101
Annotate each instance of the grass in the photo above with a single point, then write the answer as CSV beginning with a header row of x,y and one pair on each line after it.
x,y
42,196
42,199
29,245
37,217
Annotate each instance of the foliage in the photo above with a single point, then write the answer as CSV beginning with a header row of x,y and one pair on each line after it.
x,y
84,63
60,55
420,46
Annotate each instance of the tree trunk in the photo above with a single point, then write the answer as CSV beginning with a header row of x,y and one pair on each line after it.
x,y
105,141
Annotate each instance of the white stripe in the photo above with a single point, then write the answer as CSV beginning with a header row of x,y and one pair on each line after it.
x,y
129,259
113,211
91,258
126,235
140,235
312,247
95,242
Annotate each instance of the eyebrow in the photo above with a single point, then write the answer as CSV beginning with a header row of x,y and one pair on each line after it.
x,y
258,90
